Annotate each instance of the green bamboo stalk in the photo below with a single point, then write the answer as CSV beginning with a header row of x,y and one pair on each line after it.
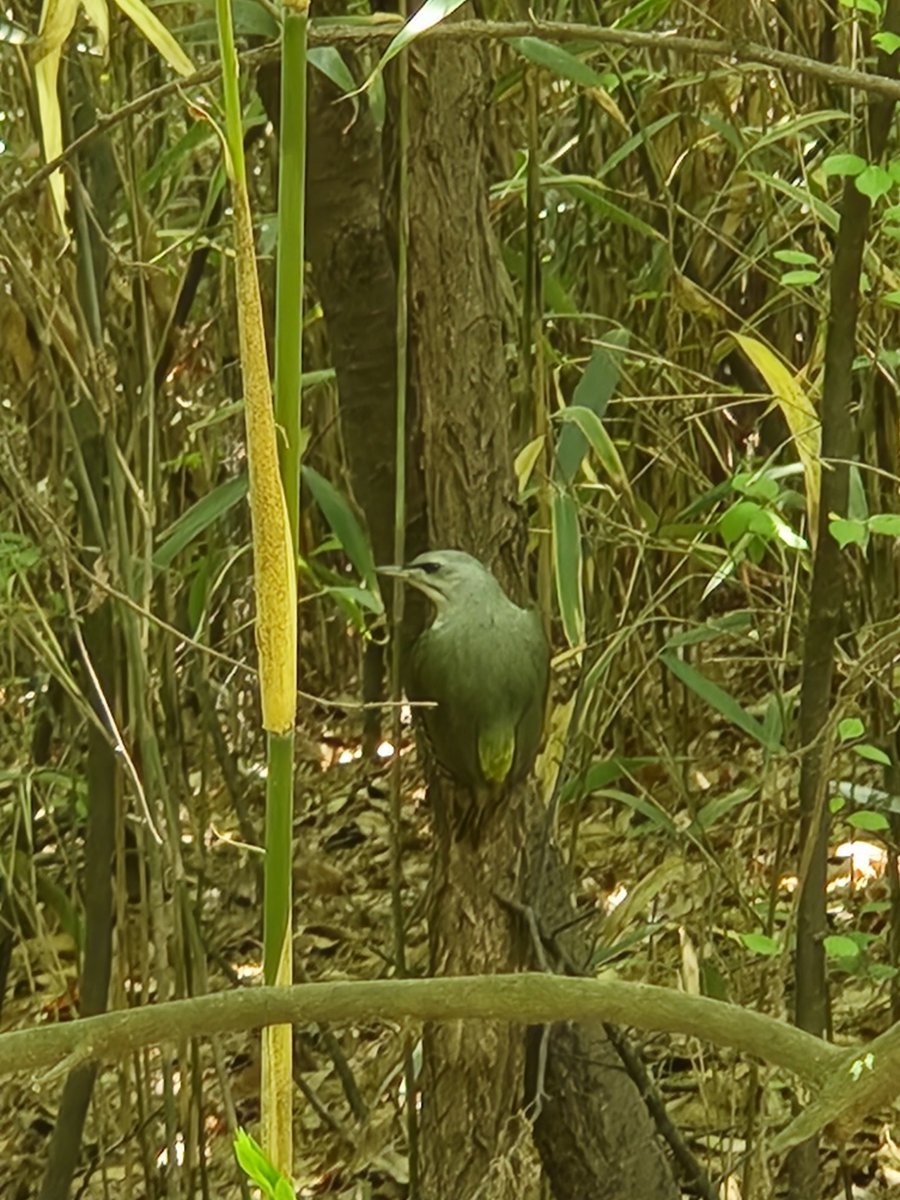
x,y
274,463
277,1100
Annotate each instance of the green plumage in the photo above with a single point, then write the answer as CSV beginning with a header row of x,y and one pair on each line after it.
x,y
485,662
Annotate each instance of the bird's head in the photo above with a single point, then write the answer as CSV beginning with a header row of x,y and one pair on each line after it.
x,y
447,577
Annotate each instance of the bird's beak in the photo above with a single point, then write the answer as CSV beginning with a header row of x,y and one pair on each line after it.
x,y
393,571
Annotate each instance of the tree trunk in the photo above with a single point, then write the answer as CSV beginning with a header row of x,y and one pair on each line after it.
x,y
475,1138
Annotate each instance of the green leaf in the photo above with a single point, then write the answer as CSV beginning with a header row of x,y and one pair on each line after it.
x,y
870,6
757,487
785,534
720,700
874,182
254,1162
850,728
721,806
837,946
601,443
198,517
328,60
344,525
891,298
847,533
800,278
872,754
431,13
760,943
886,523
797,258
643,805
869,820
886,41
844,164
724,626
593,391
602,773
557,60
736,520
568,566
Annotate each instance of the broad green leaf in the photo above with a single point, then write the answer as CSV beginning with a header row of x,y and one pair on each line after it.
x,y
198,517
869,6
872,754
796,258
849,728
757,487
329,61
593,391
868,820
720,700
874,182
892,298
847,533
800,278
736,520
601,443
798,411
760,943
344,525
886,41
557,60
568,566
837,946
844,164
885,523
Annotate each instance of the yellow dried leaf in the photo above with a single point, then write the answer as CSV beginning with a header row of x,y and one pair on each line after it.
x,y
799,413
157,34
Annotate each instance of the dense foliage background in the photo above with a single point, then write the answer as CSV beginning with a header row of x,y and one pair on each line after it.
x,y
673,304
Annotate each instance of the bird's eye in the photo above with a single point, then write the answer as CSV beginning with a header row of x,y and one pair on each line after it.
x,y
429,567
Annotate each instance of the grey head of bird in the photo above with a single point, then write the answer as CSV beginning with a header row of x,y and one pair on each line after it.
x,y
451,579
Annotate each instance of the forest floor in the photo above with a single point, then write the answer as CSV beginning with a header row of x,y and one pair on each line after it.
x,y
670,888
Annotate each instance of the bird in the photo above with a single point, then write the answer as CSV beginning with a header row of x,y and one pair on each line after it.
x,y
484,664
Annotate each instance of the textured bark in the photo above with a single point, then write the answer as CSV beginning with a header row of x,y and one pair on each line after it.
x,y
593,1130
594,1134
474,1141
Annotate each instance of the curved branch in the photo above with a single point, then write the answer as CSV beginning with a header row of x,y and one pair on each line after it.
x,y
525,999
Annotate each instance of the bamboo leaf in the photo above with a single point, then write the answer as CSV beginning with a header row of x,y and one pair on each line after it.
x,y
198,517
720,700
431,13
157,35
560,62
798,411
568,566
344,525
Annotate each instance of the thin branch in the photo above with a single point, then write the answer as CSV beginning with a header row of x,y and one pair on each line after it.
x,y
735,55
